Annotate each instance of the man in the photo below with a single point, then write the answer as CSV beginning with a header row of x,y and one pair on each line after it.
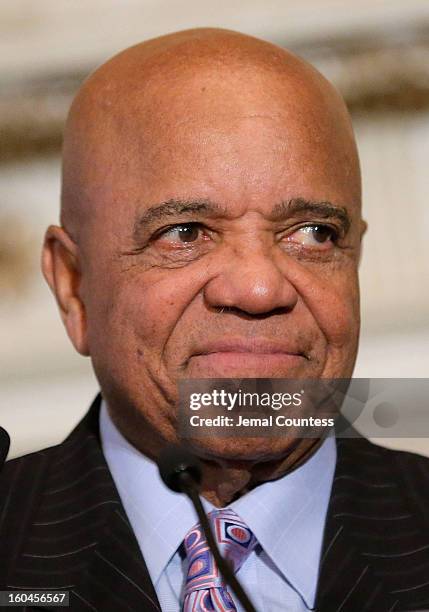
x,y
211,227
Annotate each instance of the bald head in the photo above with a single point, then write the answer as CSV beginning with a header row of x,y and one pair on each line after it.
x,y
129,112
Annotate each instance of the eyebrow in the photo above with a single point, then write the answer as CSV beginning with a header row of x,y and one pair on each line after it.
x,y
323,209
207,208
174,208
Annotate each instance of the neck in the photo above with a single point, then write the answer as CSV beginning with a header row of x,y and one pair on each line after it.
x,y
226,481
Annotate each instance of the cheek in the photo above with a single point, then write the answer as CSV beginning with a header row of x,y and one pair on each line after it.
x,y
143,308
334,304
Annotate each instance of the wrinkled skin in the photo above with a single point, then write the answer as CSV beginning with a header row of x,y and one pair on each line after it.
x,y
251,153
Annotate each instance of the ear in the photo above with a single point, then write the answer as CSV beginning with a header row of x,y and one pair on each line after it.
x,y
60,267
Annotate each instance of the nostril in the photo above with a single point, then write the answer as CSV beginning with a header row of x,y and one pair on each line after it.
x,y
244,314
222,309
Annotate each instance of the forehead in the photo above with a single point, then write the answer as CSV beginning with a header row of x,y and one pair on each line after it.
x,y
250,158
247,134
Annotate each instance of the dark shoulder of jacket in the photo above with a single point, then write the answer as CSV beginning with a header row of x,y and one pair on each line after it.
x,y
21,486
411,472
21,470
23,478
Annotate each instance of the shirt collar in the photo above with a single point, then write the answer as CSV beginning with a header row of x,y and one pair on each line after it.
x,y
159,517
287,516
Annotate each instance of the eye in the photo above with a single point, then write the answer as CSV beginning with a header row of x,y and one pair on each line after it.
x,y
181,233
315,236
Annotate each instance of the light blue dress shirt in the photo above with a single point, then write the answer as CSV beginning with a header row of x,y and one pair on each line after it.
x,y
287,517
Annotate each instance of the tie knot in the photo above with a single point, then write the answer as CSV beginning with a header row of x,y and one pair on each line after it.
x,y
235,541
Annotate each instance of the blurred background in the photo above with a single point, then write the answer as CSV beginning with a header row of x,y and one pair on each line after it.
x,y
375,51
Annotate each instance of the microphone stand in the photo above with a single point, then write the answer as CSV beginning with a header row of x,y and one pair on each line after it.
x,y
188,486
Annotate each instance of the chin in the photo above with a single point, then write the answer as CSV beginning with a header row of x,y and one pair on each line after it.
x,y
243,449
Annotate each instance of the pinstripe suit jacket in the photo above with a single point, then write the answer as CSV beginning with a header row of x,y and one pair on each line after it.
x,y
62,526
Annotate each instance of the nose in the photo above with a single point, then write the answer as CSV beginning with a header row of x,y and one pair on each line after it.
x,y
252,283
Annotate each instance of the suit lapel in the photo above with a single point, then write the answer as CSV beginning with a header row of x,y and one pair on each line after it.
x,y
369,531
347,580
79,538
117,577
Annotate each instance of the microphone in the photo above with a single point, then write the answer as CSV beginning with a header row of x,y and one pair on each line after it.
x,y
4,446
182,473
176,466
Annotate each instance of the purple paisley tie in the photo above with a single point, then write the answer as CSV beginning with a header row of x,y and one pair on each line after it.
x,y
205,589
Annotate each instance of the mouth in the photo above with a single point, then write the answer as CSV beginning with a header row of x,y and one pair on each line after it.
x,y
252,356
